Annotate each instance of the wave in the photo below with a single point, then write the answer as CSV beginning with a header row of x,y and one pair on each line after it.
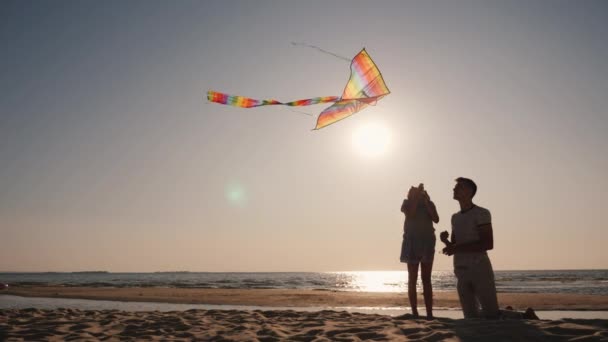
x,y
583,282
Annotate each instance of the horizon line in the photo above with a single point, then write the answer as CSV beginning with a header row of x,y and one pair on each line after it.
x,y
350,271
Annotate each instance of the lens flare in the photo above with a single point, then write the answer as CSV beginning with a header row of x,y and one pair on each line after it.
x,y
235,194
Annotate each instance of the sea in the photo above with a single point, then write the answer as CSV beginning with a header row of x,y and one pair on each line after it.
x,y
592,282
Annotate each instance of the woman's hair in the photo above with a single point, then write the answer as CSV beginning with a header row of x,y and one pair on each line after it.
x,y
411,192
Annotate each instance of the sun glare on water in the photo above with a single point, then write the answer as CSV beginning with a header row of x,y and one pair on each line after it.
x,y
373,281
371,139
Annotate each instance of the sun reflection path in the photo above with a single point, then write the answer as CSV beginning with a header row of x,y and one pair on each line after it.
x,y
372,281
388,281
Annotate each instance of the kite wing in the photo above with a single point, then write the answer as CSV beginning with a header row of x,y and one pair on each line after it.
x,y
365,87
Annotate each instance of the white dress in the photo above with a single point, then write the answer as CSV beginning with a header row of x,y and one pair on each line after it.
x,y
418,236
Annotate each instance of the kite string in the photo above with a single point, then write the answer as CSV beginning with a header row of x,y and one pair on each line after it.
x,y
299,112
322,50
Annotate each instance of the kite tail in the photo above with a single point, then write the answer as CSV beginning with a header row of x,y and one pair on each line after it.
x,y
238,101
247,102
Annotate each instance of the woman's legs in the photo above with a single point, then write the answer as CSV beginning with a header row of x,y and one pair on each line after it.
x,y
412,275
427,287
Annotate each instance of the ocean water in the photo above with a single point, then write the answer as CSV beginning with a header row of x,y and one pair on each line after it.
x,y
542,281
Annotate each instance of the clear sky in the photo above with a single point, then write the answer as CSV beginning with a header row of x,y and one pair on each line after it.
x,y
112,159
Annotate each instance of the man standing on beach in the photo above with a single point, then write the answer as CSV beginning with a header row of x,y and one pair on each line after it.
x,y
472,237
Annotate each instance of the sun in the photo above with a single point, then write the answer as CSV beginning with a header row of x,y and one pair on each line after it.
x,y
371,139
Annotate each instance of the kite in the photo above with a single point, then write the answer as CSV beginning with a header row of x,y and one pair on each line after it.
x,y
364,87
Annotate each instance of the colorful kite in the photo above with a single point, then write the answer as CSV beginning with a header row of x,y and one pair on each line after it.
x,y
365,87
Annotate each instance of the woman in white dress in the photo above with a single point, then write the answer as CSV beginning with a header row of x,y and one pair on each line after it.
x,y
418,246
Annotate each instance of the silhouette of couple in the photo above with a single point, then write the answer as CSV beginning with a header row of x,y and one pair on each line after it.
x,y
471,238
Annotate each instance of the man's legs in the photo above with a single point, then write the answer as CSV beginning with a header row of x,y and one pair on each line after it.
x,y
466,292
485,288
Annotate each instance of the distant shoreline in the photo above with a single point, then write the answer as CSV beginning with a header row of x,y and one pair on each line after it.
x,y
301,298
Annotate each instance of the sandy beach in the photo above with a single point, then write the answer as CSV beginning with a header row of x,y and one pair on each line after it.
x,y
224,325
281,325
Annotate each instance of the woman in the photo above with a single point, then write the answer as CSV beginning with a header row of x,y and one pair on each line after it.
x,y
418,247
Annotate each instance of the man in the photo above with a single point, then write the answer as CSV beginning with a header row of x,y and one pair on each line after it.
x,y
472,237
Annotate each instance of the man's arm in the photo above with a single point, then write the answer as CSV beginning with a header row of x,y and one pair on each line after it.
x,y
485,242
447,250
444,237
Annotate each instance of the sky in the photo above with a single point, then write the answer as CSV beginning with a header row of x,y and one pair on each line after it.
x,y
112,158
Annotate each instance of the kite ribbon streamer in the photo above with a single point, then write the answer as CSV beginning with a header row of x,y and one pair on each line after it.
x,y
364,87
247,102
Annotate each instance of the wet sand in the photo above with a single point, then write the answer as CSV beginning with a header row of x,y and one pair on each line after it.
x,y
303,298
286,325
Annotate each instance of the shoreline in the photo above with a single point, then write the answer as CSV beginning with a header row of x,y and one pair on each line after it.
x,y
303,298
